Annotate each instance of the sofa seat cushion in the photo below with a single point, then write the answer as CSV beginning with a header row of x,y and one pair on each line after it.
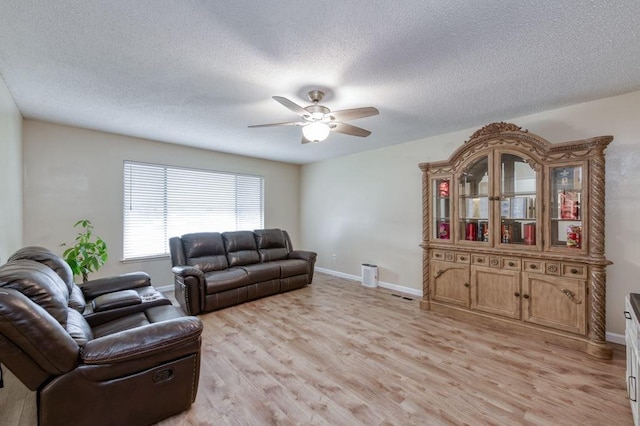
x,y
291,267
149,316
124,323
162,313
260,272
228,279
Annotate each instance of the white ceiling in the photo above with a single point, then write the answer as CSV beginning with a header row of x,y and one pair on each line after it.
x,y
199,72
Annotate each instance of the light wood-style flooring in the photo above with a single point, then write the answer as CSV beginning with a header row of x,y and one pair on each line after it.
x,y
338,353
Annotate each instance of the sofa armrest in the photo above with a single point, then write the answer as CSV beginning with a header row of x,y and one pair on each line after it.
x,y
302,254
189,288
185,271
141,342
94,288
309,257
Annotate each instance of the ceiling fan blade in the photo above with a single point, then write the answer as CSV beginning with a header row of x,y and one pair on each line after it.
x,y
352,114
292,106
348,129
288,123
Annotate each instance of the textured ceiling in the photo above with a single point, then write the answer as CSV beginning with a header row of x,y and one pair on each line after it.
x,y
199,72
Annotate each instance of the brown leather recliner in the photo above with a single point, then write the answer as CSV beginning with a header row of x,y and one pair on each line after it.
x,y
103,299
135,369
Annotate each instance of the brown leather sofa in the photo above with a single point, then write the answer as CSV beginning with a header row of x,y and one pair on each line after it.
x,y
133,368
215,270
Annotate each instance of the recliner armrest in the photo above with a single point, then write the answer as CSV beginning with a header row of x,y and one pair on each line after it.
x,y
185,271
302,254
142,341
94,288
309,257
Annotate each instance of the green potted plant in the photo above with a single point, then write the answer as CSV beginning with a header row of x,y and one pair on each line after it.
x,y
88,253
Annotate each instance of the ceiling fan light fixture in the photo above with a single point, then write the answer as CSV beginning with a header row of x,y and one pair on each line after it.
x,y
316,132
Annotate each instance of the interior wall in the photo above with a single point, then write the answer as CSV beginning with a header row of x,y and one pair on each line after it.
x,y
72,174
10,175
366,208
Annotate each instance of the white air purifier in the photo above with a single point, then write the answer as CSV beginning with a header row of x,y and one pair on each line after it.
x,y
369,275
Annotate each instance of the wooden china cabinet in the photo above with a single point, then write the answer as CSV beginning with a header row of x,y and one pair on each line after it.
x,y
513,235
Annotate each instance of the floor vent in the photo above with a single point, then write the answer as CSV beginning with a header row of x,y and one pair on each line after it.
x,y
401,297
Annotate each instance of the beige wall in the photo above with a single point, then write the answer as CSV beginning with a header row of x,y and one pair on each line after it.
x,y
10,175
366,208
72,174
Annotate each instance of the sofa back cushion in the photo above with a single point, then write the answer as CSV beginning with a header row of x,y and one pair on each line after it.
x,y
205,251
241,248
272,244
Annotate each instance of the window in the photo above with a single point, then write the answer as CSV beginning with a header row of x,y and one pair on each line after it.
x,y
163,201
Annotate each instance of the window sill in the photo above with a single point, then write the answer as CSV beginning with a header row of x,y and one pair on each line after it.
x,y
145,258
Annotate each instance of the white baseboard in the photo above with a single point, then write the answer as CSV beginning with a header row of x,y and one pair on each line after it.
x,y
615,338
390,286
165,288
610,337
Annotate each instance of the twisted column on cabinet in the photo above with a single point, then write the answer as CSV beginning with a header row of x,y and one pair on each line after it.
x,y
426,295
596,250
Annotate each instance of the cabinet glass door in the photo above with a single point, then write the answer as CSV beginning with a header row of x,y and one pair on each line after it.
x,y
566,210
473,207
441,219
518,203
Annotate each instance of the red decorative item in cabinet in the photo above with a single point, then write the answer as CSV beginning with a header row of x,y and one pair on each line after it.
x,y
472,231
530,234
574,236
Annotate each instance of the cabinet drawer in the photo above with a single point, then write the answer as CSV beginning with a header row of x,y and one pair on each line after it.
x,y
533,266
479,259
576,271
511,263
552,268
463,258
437,254
448,256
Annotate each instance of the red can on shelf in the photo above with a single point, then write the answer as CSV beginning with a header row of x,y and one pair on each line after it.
x,y
530,234
472,231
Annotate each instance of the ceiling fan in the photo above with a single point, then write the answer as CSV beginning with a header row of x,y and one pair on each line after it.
x,y
318,121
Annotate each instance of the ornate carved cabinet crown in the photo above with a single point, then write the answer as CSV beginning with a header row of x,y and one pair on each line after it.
x,y
513,235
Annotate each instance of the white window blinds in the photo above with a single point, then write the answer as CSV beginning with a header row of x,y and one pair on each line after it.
x,y
163,201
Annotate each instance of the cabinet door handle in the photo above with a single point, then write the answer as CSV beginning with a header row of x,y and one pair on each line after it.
x,y
574,271
480,260
466,285
526,296
512,264
571,296
516,294
627,314
635,391
533,267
